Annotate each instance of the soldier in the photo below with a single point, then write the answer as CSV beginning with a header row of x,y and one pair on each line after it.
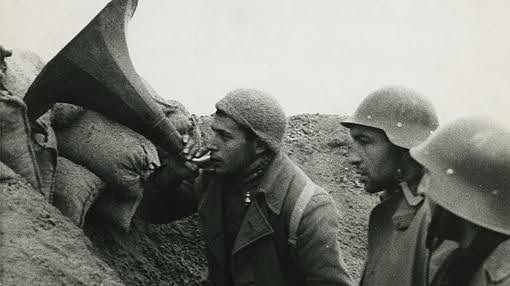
x,y
386,124
263,220
469,163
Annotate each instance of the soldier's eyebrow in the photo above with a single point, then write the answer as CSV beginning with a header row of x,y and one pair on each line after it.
x,y
220,130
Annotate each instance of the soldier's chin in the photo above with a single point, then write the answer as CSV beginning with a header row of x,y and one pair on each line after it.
x,y
221,171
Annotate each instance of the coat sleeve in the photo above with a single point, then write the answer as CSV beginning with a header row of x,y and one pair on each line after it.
x,y
317,249
167,197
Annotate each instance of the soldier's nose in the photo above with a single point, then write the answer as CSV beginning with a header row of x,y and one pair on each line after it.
x,y
354,159
212,148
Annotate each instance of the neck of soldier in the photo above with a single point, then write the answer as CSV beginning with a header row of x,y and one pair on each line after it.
x,y
468,232
253,171
412,174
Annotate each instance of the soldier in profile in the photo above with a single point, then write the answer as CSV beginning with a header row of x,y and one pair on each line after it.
x,y
384,127
263,220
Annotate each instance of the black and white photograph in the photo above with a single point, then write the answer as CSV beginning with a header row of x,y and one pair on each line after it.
x,y
268,143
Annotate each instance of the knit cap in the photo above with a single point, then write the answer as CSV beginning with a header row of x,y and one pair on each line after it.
x,y
258,112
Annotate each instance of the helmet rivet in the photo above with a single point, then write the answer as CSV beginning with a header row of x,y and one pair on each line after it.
x,y
399,124
495,192
369,116
449,172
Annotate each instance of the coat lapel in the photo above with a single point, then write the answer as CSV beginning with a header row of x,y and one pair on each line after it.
x,y
254,227
276,181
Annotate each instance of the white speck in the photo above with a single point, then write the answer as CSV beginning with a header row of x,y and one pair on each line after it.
x,y
431,131
369,116
449,172
399,124
495,192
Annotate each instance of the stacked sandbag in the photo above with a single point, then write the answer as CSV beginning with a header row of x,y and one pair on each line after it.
x,y
176,113
44,142
27,147
115,153
64,114
39,246
76,188
178,116
16,145
22,68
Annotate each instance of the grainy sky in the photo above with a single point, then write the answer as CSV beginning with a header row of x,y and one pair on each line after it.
x,y
314,56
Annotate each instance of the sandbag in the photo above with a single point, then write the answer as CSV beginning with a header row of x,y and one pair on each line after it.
x,y
22,68
44,142
180,118
115,153
16,146
64,114
28,148
173,109
76,188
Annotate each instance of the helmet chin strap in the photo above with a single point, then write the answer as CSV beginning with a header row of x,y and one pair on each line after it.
x,y
409,174
411,197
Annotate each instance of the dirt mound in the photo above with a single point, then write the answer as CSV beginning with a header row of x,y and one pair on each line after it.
x,y
321,146
39,246
169,254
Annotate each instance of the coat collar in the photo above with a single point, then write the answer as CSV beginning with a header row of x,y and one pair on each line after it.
x,y
409,205
497,265
276,181
273,186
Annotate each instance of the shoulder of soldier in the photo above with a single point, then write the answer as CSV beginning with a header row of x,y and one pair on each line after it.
x,y
320,205
318,197
387,206
497,265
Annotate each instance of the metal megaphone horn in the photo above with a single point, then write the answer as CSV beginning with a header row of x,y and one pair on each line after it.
x,y
95,71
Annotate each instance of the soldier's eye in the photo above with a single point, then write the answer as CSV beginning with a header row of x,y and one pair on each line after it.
x,y
362,140
225,135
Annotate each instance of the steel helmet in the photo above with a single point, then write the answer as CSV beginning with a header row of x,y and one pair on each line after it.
x,y
404,115
469,161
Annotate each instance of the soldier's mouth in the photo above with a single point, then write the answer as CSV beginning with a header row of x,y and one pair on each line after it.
x,y
363,175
